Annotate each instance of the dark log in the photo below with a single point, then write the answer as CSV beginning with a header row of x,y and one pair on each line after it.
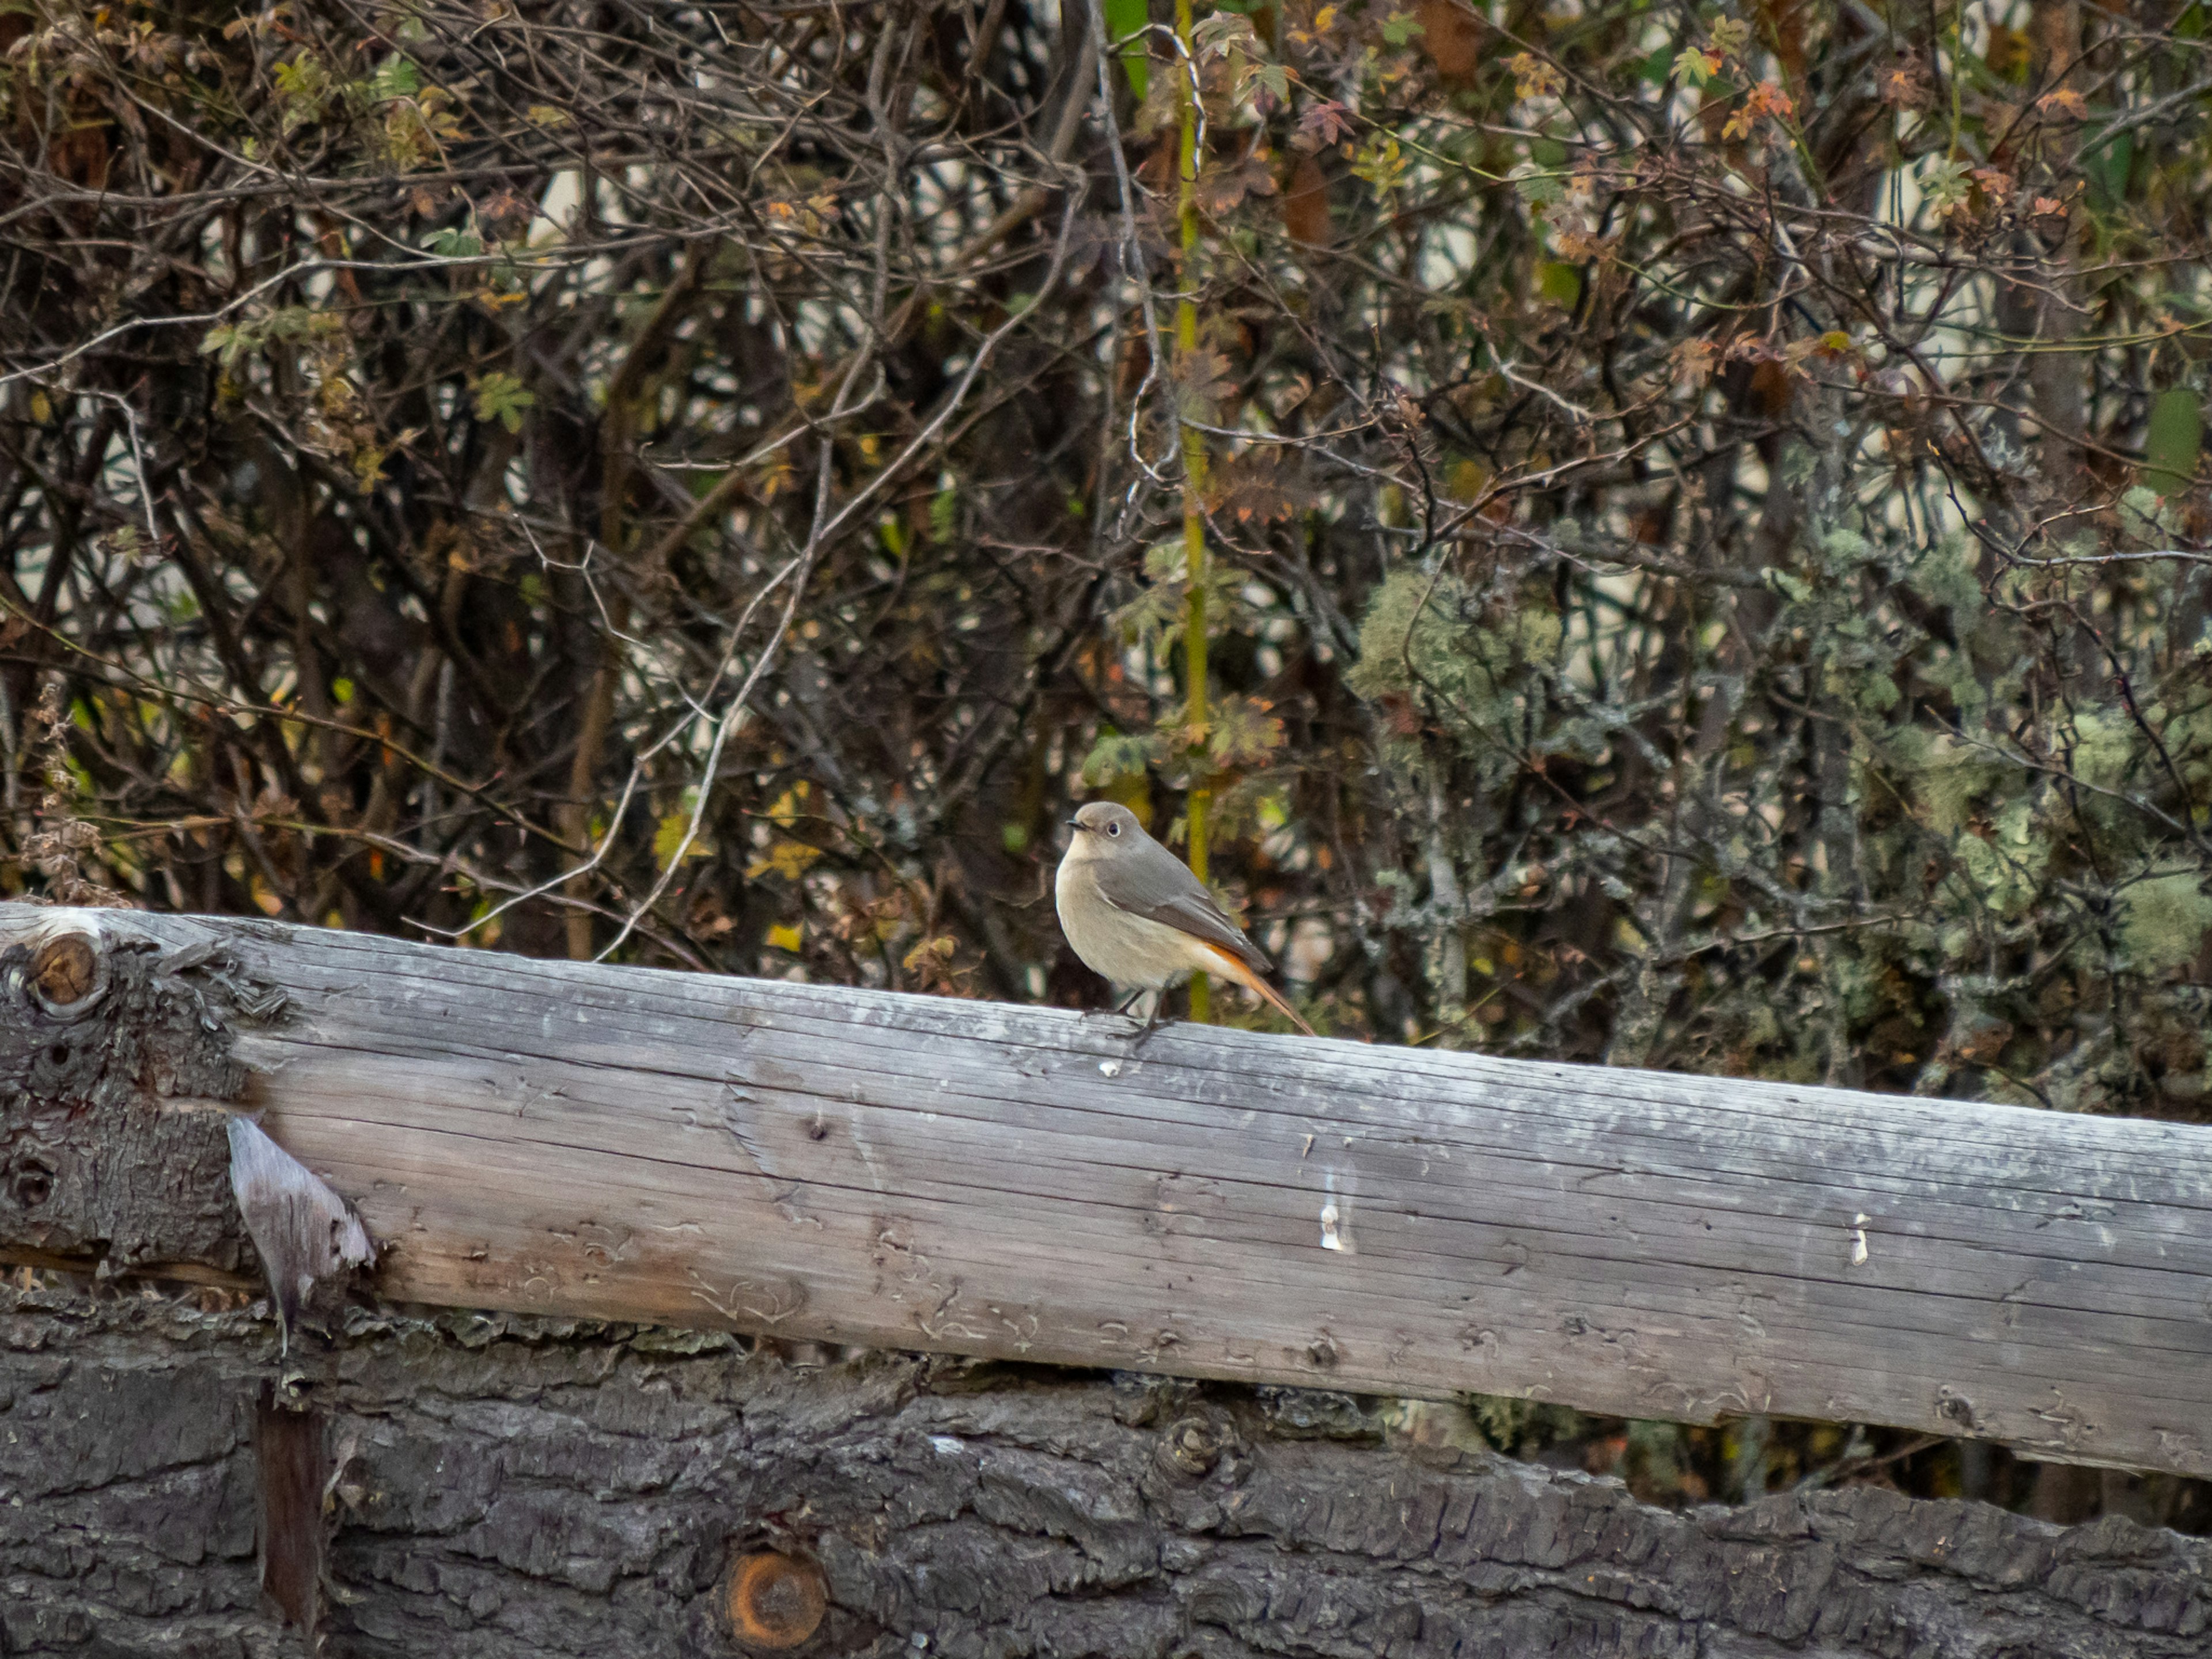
x,y
504,1487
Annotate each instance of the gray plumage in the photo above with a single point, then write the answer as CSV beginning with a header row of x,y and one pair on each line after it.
x,y
1135,912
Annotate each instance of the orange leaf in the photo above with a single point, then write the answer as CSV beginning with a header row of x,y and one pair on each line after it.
x,y
1451,35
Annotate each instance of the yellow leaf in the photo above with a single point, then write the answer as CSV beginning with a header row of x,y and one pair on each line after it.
x,y
785,812
787,858
1466,479
941,948
781,937
41,411
668,836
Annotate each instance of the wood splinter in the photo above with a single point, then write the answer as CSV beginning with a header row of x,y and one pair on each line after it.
x,y
304,1232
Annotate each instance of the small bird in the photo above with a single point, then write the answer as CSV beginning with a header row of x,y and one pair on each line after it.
x,y
1135,913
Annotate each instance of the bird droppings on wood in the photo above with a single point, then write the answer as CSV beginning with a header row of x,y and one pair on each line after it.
x,y
1858,1241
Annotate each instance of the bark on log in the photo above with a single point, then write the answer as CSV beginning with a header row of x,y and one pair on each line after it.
x,y
911,1172
97,1157
502,1488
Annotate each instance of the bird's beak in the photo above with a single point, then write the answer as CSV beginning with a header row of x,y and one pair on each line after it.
x,y
1073,824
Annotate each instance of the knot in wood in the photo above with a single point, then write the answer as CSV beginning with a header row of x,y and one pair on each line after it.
x,y
1954,1406
1193,1445
30,1183
775,1600
67,975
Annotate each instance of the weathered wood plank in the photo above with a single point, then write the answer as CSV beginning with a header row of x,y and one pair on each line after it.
x,y
977,1178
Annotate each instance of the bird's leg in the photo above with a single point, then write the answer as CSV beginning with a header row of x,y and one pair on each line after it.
x,y
1118,1010
1152,1023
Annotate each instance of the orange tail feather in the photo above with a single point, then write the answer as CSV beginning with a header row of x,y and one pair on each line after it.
x,y
1232,969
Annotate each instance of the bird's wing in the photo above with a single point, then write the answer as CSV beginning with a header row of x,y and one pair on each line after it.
x,y
1153,883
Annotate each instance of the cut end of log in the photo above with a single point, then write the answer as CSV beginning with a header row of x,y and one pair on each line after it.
x,y
776,1603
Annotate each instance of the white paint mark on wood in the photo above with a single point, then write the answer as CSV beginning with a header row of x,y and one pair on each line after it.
x,y
1858,1241
1330,1238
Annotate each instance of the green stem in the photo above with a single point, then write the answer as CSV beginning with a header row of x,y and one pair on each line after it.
x,y
1194,478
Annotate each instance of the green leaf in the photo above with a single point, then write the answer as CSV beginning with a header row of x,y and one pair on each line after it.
x,y
2107,168
1272,79
1541,188
1119,755
1790,585
502,398
304,89
2174,442
1224,33
1696,66
395,78
1559,283
1242,731
1126,17
227,340
1401,26
1149,618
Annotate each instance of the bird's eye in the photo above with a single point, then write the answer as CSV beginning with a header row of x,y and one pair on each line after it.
x,y
1112,829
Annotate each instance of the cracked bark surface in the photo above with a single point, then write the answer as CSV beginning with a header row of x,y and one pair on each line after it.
x,y
502,1488
112,1145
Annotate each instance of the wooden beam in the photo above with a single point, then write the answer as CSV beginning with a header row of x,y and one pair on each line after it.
x,y
897,1171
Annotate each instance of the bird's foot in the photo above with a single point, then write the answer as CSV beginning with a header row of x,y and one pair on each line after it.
x,y
1145,1033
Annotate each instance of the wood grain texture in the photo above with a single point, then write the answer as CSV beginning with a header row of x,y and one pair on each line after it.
x,y
980,1179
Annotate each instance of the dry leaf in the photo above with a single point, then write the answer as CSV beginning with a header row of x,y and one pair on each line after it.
x,y
1305,204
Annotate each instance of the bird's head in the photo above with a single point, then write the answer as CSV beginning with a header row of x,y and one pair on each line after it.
x,y
1107,819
